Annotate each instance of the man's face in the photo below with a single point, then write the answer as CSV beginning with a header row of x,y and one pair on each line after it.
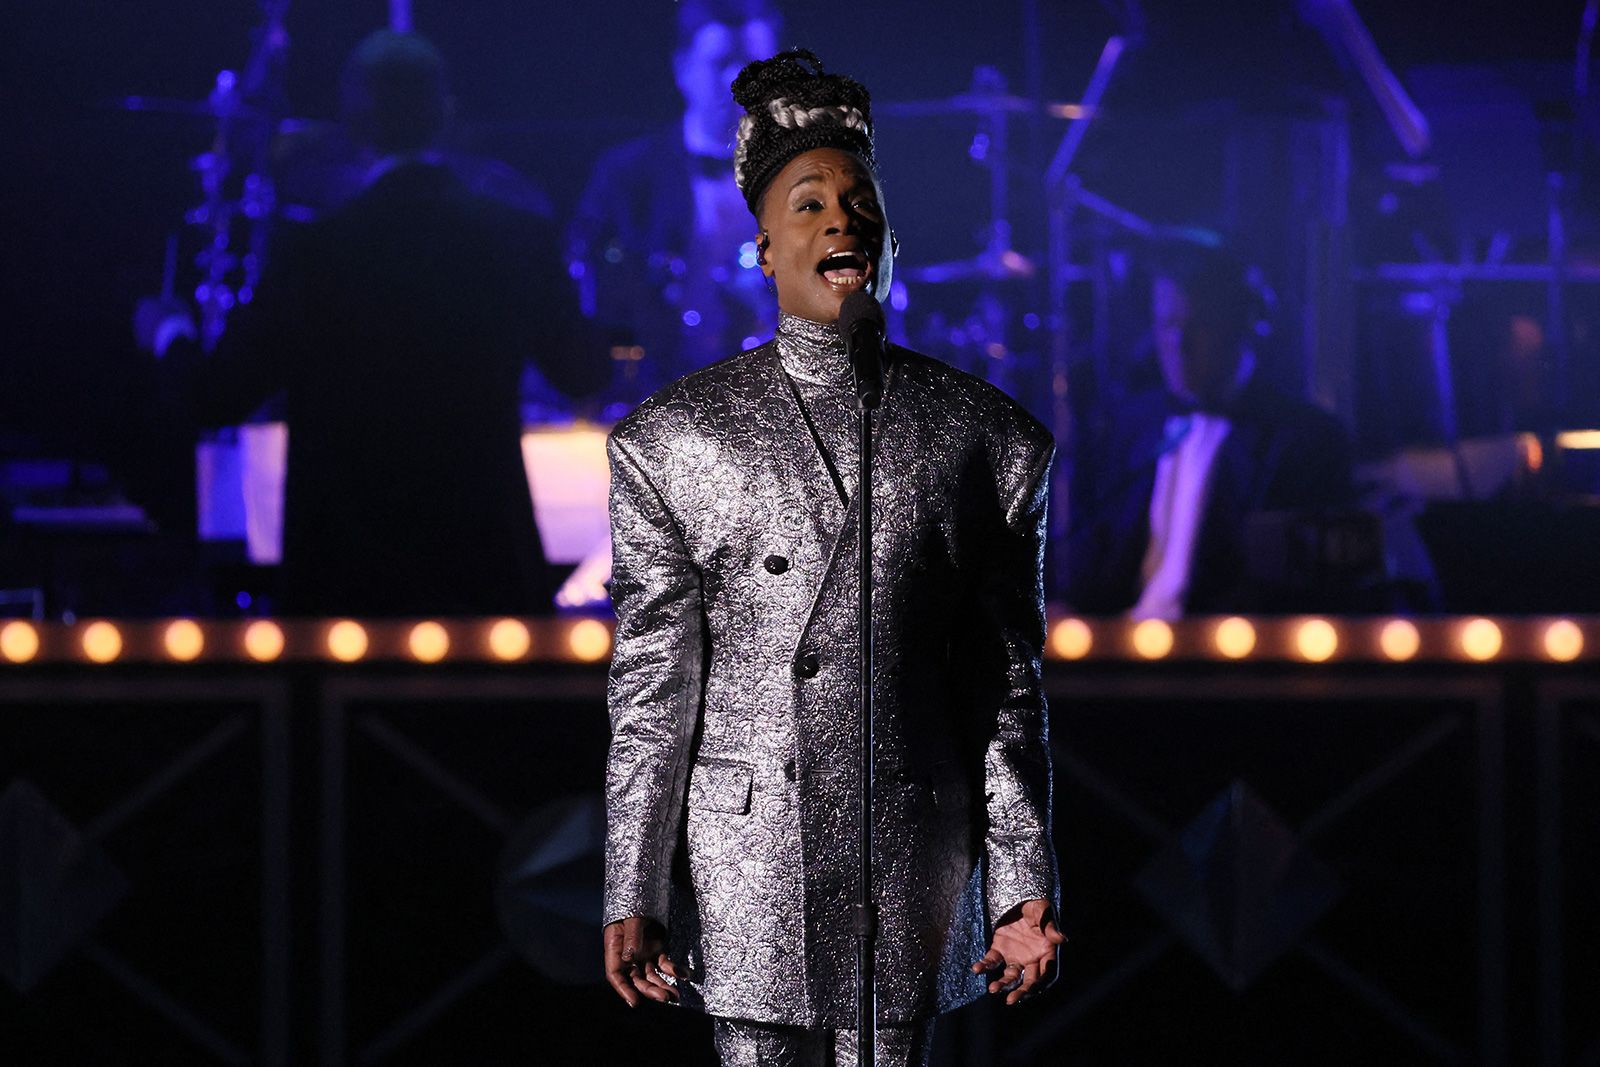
x,y
719,51
825,228
1198,350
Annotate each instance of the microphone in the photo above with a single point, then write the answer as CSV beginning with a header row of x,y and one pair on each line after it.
x,y
861,323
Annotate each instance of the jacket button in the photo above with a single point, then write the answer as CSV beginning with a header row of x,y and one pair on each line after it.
x,y
788,770
807,665
775,564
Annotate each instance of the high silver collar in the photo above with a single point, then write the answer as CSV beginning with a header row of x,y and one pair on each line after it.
x,y
813,351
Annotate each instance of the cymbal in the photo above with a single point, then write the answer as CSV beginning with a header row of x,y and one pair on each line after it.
x,y
1005,265
990,104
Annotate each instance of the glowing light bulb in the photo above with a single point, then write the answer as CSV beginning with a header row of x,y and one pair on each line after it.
x,y
1317,640
102,642
509,639
19,642
1399,639
1563,641
429,642
1235,638
1071,639
1152,639
263,641
347,641
184,640
1481,640
589,639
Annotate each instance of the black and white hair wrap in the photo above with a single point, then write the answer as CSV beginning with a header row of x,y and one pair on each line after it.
x,y
792,106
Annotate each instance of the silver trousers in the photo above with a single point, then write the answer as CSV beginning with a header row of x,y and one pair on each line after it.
x,y
747,1044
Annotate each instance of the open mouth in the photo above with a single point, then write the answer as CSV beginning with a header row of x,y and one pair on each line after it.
x,y
845,271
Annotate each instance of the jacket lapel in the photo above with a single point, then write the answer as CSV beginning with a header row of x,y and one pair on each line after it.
x,y
793,452
894,419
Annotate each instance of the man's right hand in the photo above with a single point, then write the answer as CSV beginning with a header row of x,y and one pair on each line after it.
x,y
637,963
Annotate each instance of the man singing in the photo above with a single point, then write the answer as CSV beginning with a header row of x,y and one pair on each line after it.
x,y
731,860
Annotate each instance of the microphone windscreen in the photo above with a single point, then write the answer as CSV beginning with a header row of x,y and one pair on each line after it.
x,y
860,308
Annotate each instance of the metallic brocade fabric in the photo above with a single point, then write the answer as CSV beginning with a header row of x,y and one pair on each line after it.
x,y
732,776
813,356
813,351
745,1044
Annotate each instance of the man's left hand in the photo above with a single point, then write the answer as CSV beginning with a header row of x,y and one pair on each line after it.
x,y
1023,951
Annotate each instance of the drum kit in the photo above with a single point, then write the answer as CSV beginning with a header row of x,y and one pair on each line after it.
x,y
982,312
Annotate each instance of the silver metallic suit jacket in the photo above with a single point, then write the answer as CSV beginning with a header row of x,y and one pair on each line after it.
x,y
732,777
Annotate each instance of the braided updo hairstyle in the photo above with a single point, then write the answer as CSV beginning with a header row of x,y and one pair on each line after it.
x,y
792,106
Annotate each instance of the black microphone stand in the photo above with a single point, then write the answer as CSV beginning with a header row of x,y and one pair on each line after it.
x,y
869,391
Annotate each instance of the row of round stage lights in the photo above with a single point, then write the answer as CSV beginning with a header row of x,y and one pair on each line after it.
x,y
589,640
347,641
1312,640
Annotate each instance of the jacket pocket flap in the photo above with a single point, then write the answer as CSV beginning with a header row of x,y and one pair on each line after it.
x,y
720,785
